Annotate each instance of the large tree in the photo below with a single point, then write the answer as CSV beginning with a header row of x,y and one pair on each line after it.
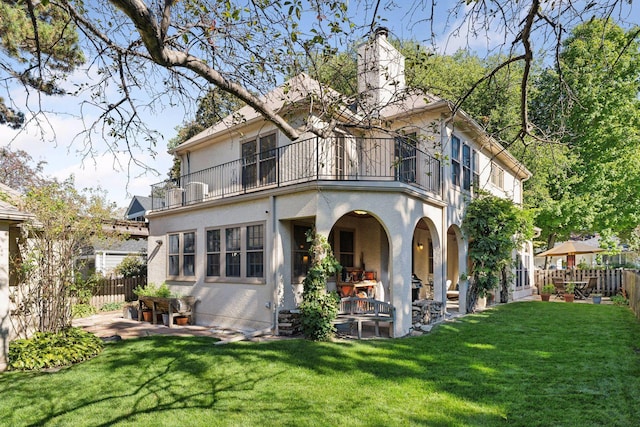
x,y
588,180
143,54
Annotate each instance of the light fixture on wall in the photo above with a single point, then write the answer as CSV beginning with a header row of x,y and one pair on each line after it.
x,y
420,246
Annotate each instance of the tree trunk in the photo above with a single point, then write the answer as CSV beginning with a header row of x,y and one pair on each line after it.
x,y
551,241
504,288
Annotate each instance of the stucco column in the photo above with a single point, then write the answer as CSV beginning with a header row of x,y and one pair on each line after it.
x,y
401,253
5,322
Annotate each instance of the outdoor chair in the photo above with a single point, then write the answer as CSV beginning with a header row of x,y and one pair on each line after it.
x,y
558,283
591,287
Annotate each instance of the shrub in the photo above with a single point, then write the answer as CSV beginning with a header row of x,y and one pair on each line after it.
x,y
319,308
131,266
619,300
151,290
48,350
112,306
548,289
82,310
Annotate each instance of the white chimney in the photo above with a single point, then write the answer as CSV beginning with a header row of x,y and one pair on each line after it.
x,y
380,70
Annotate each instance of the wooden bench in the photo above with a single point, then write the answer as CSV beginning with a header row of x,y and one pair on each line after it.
x,y
183,306
355,310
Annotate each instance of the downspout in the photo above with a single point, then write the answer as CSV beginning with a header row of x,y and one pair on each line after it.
x,y
274,264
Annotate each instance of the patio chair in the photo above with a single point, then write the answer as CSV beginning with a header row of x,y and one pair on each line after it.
x,y
591,287
452,292
558,283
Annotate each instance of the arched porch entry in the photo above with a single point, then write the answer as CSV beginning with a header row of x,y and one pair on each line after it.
x,y
455,287
361,244
426,261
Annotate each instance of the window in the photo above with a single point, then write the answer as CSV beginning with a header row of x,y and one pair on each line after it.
x,y
497,176
213,253
405,152
232,255
346,250
182,254
255,251
466,167
259,161
455,161
300,256
235,252
476,171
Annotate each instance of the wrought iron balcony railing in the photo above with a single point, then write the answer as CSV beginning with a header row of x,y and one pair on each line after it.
x,y
315,159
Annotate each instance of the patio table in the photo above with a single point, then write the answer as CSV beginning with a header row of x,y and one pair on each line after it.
x,y
579,286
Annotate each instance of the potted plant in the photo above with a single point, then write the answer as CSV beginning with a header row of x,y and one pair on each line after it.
x,y
568,292
597,298
547,291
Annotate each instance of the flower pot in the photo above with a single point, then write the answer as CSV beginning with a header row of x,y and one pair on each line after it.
x,y
147,315
181,320
597,299
545,297
568,297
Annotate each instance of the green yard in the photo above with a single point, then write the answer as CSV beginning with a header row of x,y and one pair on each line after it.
x,y
525,364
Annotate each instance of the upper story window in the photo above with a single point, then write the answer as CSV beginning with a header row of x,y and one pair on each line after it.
x,y
236,252
455,161
466,167
259,161
182,251
497,176
476,171
463,160
405,152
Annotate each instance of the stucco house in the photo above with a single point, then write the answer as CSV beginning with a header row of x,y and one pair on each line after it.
x,y
10,219
388,187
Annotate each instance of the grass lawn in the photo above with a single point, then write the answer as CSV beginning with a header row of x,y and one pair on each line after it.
x,y
524,364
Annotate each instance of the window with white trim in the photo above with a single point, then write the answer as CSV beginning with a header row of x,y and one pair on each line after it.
x,y
497,176
213,253
182,254
476,171
235,252
455,161
466,167
259,161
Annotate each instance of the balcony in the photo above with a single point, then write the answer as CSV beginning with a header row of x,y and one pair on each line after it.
x,y
317,159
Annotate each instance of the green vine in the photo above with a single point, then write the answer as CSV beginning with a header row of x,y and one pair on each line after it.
x,y
494,227
319,308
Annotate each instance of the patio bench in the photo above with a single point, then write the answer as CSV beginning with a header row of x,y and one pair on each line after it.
x,y
182,306
354,310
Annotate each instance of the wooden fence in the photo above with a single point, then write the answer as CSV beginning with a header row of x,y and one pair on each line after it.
x,y
610,282
116,290
632,289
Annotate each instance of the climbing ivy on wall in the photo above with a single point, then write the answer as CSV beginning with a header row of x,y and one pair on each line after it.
x,y
494,227
319,308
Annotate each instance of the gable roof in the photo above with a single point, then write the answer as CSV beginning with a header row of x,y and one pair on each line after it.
x,y
9,212
407,102
138,206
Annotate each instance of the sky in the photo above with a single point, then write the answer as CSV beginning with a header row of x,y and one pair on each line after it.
x,y
65,153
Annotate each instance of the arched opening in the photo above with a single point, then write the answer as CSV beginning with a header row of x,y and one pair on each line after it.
x,y
423,261
361,244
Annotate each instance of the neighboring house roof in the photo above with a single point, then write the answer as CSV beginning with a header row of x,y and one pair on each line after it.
x,y
138,207
130,246
9,212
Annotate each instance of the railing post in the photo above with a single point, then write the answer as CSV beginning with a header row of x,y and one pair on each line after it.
x,y
317,158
